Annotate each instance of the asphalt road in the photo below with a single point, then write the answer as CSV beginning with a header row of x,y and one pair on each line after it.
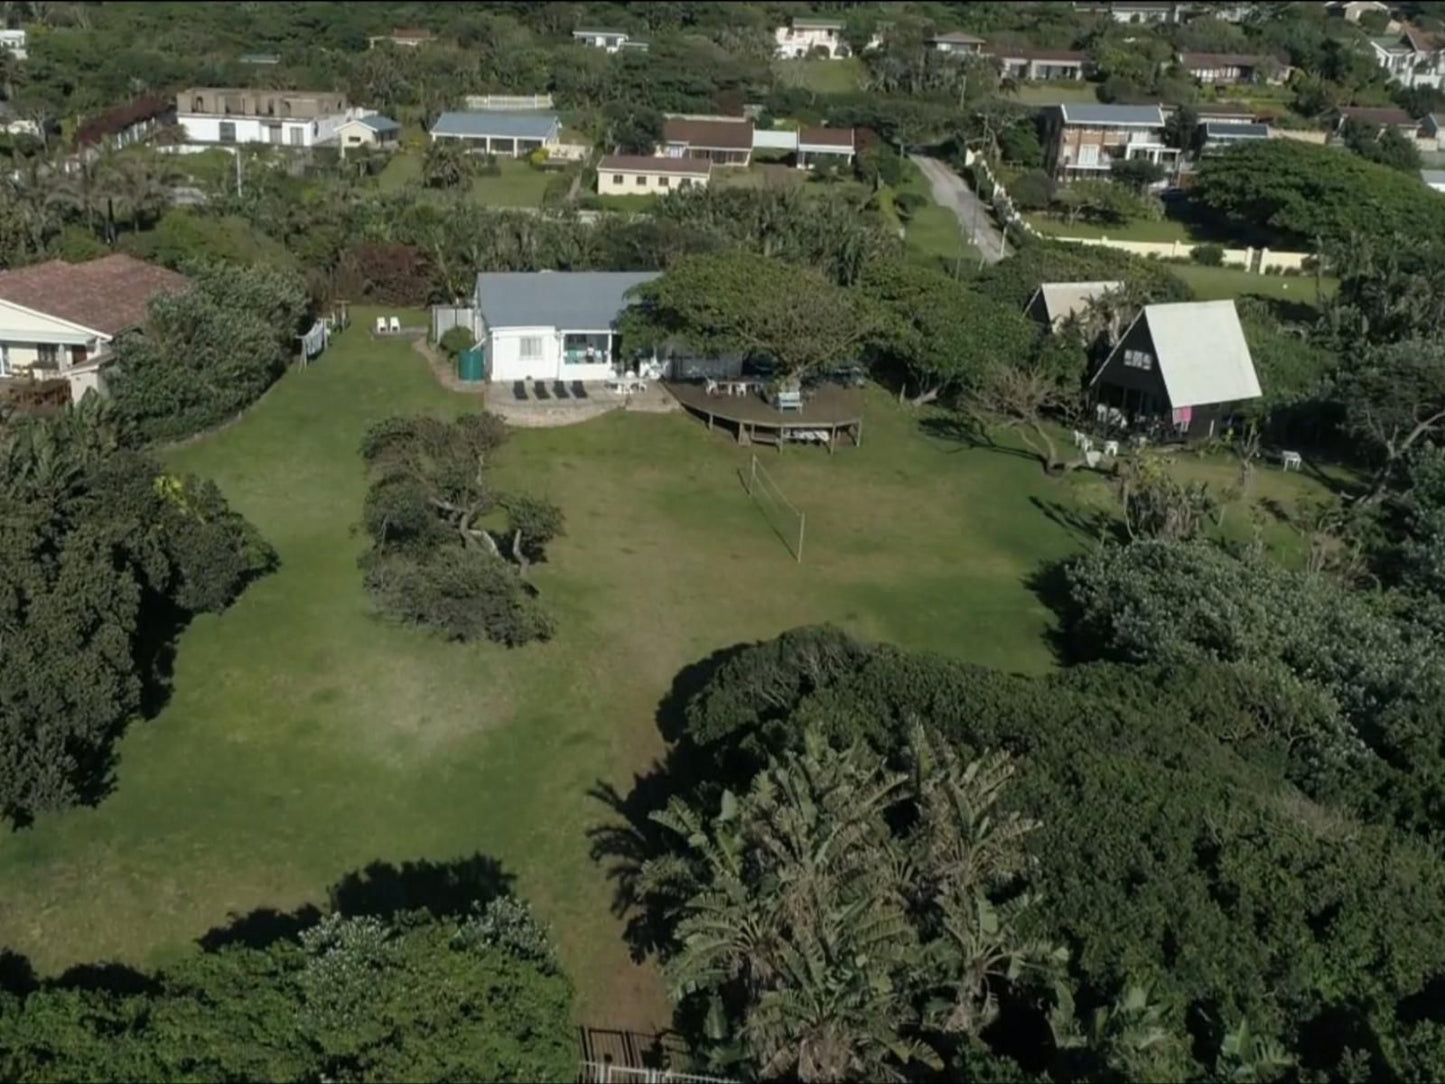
x,y
974,216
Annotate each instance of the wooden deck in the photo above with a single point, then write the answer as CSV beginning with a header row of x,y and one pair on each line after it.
x,y
829,414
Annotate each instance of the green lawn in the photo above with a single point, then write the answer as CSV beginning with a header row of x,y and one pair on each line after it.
x,y
1211,283
305,738
1165,229
518,185
822,76
1054,93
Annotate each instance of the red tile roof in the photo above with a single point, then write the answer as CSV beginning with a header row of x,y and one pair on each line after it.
x,y
826,137
106,295
723,135
642,163
117,120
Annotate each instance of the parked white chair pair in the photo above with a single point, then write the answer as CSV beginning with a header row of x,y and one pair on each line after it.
x,y
395,324
1291,459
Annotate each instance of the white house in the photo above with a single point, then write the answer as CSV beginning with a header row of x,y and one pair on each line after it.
x,y
801,36
646,175
957,43
1412,57
58,319
610,40
371,130
510,134
552,325
282,118
15,43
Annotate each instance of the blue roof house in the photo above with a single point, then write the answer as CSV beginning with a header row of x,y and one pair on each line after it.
x,y
552,325
512,134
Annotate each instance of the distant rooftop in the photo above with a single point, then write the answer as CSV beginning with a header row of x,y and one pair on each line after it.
x,y
497,125
1138,115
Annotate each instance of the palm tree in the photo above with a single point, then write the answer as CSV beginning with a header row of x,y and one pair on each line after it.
x,y
446,164
143,182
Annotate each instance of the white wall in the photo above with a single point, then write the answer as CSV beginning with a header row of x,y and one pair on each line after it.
x,y
206,128
608,185
505,361
22,332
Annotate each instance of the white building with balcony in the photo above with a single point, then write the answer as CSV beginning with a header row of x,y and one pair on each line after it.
x,y
1082,141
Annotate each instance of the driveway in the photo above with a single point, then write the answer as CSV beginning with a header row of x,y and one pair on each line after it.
x,y
974,216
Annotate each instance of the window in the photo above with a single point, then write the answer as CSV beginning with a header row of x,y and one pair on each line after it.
x,y
617,178
298,136
1139,359
198,104
530,348
663,182
228,131
686,182
78,355
641,181
47,355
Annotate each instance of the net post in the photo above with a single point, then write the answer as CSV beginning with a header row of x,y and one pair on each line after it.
x,y
802,522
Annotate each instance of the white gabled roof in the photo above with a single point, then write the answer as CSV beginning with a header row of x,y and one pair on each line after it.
x,y
1065,299
1201,352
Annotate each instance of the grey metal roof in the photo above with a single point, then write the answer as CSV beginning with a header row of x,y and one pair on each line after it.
x,y
1236,131
378,123
576,300
499,125
1433,176
1086,113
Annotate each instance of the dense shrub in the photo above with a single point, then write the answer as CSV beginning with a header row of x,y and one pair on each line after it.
x,y
1208,255
208,353
98,576
384,273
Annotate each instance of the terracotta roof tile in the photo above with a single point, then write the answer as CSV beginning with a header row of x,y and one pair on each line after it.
x,y
727,135
106,295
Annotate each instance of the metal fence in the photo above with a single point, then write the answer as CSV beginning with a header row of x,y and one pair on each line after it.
x,y
605,1072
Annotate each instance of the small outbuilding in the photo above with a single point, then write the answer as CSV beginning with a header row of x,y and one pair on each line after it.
x,y
1182,369
1055,302
373,130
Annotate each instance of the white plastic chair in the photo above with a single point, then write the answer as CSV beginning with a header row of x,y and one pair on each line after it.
x,y
1092,458
1079,439
1086,443
710,387
381,325
1291,459
1111,447
395,324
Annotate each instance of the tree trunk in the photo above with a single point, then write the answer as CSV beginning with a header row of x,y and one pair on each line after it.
x,y
522,563
925,397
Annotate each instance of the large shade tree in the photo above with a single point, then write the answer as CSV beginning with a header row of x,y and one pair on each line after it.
x,y
744,304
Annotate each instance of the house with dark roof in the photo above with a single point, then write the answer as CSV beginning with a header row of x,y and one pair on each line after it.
x,y
58,320
1227,69
509,134
648,175
552,325
1181,369
1038,65
370,130
825,146
723,142
1082,141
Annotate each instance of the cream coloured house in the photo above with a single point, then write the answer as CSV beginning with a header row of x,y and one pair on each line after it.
x,y
644,175
58,320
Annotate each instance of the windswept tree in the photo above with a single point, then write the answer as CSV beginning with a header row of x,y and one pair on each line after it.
x,y
744,304
933,334
439,557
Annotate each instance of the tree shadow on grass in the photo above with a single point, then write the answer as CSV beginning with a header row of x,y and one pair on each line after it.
x,y
445,889
1050,584
968,433
1083,523
629,836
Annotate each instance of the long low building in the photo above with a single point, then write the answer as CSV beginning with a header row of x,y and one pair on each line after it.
x,y
646,175
508,134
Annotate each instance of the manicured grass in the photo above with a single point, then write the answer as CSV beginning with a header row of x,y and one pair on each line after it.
x,y
304,738
518,185
822,76
1211,283
1054,93
1165,229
